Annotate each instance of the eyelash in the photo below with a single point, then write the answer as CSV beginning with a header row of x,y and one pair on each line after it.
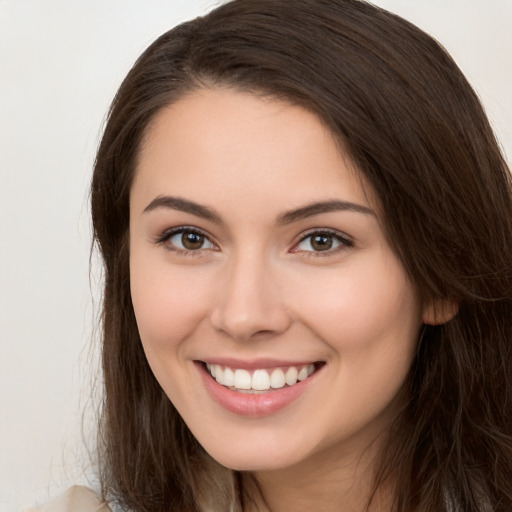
x,y
343,240
167,235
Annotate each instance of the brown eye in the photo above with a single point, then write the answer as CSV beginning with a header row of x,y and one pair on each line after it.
x,y
188,240
192,241
321,242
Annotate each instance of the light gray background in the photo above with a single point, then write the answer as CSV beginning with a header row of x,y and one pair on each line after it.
x,y
60,64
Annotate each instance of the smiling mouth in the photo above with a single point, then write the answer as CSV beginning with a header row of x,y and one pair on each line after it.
x,y
260,380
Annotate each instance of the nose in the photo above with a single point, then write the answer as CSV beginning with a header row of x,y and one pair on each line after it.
x,y
249,304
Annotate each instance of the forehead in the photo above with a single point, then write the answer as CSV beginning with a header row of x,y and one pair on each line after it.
x,y
220,144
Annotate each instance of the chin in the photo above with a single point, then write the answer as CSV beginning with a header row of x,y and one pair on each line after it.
x,y
259,455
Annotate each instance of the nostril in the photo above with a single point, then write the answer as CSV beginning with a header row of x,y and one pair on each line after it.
x,y
250,327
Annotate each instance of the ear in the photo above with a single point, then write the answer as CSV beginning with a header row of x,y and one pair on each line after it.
x,y
440,311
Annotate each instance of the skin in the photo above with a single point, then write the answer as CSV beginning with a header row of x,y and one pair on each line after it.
x,y
257,288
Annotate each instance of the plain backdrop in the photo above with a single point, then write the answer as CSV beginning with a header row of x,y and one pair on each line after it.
x,y
61,62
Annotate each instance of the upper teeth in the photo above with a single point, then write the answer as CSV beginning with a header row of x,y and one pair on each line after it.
x,y
260,380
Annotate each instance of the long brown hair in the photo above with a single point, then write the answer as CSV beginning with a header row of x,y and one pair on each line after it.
x,y
417,131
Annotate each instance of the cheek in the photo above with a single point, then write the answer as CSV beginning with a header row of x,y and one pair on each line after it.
x,y
168,304
355,308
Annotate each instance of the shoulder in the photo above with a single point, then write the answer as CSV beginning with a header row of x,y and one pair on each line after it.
x,y
75,499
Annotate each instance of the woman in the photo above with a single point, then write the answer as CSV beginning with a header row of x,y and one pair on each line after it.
x,y
306,225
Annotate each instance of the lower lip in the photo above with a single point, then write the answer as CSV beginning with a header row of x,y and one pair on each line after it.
x,y
260,404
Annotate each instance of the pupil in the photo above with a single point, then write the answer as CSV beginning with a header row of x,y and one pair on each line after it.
x,y
321,242
192,240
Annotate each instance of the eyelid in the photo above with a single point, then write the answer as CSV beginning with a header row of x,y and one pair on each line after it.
x,y
164,236
346,241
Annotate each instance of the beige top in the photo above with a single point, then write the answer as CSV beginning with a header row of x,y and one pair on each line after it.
x,y
75,499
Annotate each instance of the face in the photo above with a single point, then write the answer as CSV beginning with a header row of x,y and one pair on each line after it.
x,y
257,255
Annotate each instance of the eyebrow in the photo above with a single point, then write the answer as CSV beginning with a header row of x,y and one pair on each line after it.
x,y
184,205
321,207
316,208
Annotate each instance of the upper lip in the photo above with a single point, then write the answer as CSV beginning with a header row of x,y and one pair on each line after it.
x,y
254,364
